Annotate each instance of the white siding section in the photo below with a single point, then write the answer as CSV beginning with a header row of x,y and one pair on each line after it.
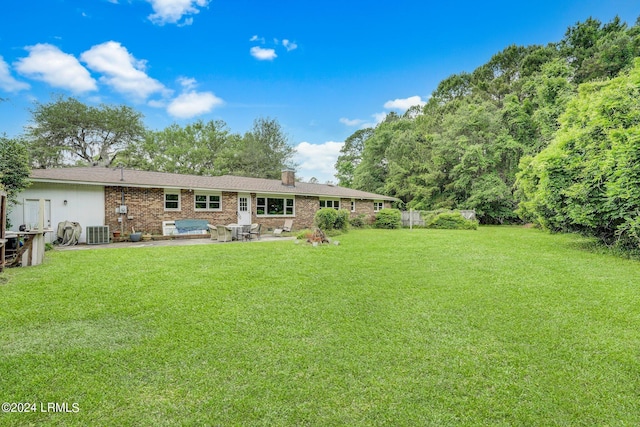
x,y
85,205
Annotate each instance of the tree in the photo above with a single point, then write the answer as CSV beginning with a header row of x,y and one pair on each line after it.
x,y
456,86
408,157
614,52
550,90
538,56
263,152
480,159
598,51
463,148
66,130
579,44
192,149
373,170
497,78
350,156
14,167
588,179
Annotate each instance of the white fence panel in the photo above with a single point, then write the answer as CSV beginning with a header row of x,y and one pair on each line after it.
x,y
415,217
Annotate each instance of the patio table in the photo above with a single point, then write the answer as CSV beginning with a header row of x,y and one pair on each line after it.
x,y
235,231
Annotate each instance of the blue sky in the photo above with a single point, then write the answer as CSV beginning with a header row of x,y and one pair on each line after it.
x,y
322,69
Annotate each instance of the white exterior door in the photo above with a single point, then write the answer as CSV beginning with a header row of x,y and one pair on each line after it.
x,y
31,215
244,209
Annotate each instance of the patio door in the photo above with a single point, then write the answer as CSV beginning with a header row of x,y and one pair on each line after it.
x,y
244,209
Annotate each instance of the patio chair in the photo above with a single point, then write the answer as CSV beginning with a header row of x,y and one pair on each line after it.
x,y
224,234
213,230
255,230
288,224
245,233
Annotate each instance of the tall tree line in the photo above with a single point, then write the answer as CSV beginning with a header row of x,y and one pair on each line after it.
x,y
464,147
66,132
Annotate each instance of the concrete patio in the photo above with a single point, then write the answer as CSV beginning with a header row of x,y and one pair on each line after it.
x,y
172,242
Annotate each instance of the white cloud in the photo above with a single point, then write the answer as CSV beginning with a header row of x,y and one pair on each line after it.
x,y
379,117
121,70
263,54
186,22
289,45
157,103
7,82
191,104
257,39
396,104
363,124
404,104
318,160
187,83
172,11
351,122
49,64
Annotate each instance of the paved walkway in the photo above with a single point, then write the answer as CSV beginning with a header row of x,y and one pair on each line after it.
x,y
171,242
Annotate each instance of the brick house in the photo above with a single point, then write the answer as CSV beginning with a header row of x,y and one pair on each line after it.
x,y
124,199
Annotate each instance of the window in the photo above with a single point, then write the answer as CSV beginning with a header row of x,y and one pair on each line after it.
x,y
275,206
377,206
207,202
353,205
243,204
172,200
330,203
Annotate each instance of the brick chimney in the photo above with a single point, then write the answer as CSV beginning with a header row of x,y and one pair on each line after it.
x,y
289,177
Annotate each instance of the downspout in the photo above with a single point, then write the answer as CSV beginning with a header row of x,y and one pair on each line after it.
x,y
121,214
121,167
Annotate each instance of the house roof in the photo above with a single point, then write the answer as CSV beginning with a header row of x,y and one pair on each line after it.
x,y
134,178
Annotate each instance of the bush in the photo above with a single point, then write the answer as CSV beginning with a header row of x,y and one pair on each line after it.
x,y
428,216
342,220
327,219
357,221
389,219
452,221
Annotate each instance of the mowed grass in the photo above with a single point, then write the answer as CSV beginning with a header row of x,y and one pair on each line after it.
x,y
502,326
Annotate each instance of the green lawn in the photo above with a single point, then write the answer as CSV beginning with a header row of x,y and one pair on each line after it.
x,y
499,326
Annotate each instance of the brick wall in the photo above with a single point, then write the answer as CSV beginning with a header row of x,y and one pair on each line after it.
x,y
363,207
366,208
305,209
145,210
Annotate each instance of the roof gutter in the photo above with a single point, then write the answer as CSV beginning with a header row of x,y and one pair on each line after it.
x,y
229,190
